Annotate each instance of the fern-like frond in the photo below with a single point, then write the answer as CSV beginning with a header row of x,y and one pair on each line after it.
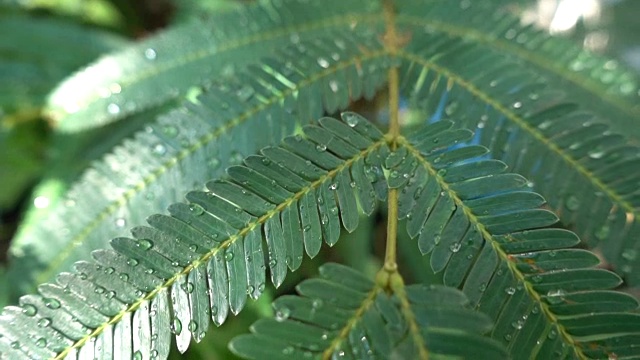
x,y
199,263
598,84
170,64
485,230
345,315
236,117
40,52
585,171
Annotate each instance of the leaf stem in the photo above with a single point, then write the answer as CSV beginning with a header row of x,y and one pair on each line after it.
x,y
391,43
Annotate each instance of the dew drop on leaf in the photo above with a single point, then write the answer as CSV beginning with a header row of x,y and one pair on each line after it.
x,y
282,314
44,322
120,222
150,54
193,326
29,310
176,327
137,355
52,303
196,209
145,244
228,256
455,247
113,109
572,203
324,63
510,290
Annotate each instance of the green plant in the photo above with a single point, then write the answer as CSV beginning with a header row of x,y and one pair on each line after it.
x,y
453,100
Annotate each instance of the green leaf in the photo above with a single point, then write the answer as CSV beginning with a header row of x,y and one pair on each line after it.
x,y
507,261
345,315
203,274
460,66
152,72
183,148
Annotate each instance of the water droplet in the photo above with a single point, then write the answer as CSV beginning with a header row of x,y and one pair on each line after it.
x,y
124,277
193,326
510,290
41,202
196,209
334,86
159,149
120,222
132,262
324,63
282,314
228,255
552,334
517,105
333,186
29,310
110,294
44,322
272,263
536,278
603,232
517,324
99,290
483,287
176,327
572,203
288,350
150,54
113,109
317,303
455,247
246,93
52,303
145,244
507,337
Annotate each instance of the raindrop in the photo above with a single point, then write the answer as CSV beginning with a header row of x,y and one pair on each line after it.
x,y
317,303
517,105
29,310
145,244
321,147
333,186
150,54
596,154
124,277
41,343
603,232
517,324
351,120
15,344
272,263
113,109
306,228
246,93
137,355
228,256
132,262
288,350
109,270
52,303
193,326
188,287
196,209
170,131
507,337
552,334
510,290
282,314
261,287
455,247
323,63
120,222
334,86
483,287
572,203
44,322
176,327
159,149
